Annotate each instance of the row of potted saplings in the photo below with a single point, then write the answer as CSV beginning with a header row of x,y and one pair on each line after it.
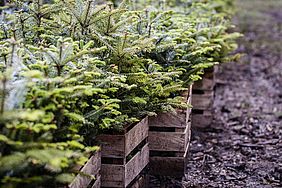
x,y
157,145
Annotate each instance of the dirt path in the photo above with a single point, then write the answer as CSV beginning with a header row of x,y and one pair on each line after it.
x,y
244,146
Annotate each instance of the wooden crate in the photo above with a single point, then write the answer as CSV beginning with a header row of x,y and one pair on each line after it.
x,y
169,137
90,170
201,118
202,99
124,155
168,152
171,164
141,181
172,139
208,80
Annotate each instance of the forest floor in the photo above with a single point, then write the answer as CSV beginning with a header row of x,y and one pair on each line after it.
x,y
243,146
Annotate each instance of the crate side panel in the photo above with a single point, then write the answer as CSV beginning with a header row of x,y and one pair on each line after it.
x,y
204,84
203,101
167,141
136,164
141,182
112,175
202,120
169,119
97,183
91,167
167,166
112,145
136,135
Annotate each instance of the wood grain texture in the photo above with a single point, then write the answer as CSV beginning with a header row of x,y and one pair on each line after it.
x,y
97,183
170,141
168,166
120,146
112,175
189,101
141,182
122,175
169,119
178,119
167,141
187,135
202,120
187,93
112,145
203,101
204,84
208,81
136,135
91,168
136,164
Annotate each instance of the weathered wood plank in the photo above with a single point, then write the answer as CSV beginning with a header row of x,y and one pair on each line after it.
x,y
136,164
167,141
204,84
141,182
203,101
122,175
189,110
136,135
187,135
169,119
97,183
122,145
202,120
208,81
187,94
112,175
112,145
91,168
168,166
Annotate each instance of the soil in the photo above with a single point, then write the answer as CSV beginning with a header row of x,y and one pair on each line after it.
x,y
243,146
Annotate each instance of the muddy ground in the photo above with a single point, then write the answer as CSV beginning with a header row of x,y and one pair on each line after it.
x,y
243,146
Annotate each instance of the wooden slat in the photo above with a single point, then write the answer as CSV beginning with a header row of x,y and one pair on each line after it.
x,y
202,120
203,101
122,175
97,183
167,141
169,119
112,145
92,167
168,166
136,164
141,182
136,135
189,101
122,145
170,141
112,175
187,93
204,84
210,72
188,111
187,135
208,81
